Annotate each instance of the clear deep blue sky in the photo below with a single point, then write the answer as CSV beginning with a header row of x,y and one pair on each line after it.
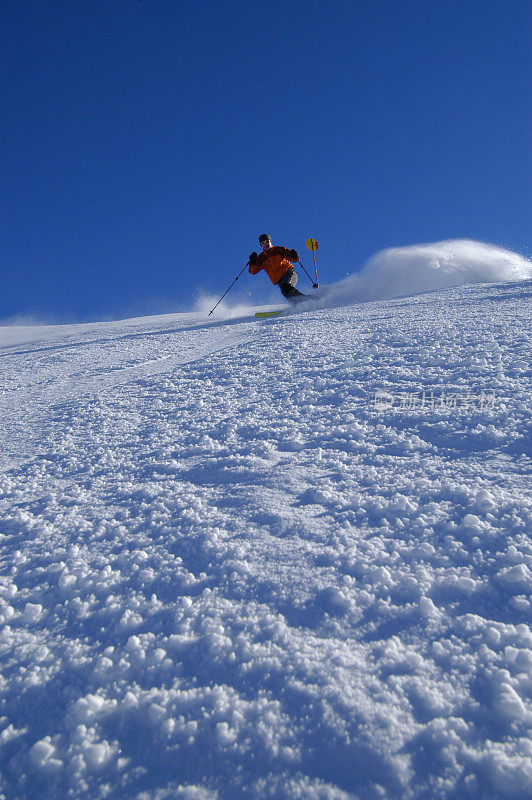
x,y
147,143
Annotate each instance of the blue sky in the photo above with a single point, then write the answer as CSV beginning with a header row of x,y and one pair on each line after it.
x,y
147,143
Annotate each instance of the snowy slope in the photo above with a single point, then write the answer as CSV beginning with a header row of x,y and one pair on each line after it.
x,y
286,558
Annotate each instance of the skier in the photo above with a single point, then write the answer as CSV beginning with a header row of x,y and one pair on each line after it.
x,y
277,262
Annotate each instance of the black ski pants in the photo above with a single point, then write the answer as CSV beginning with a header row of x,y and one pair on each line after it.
x,y
287,285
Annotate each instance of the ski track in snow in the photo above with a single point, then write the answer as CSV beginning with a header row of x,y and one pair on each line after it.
x,y
90,367
226,573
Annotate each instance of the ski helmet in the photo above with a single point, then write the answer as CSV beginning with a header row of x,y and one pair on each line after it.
x,y
264,237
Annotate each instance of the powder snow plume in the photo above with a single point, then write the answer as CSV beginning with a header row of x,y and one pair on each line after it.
x,y
400,271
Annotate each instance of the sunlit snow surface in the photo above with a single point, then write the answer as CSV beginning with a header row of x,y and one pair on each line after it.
x,y
286,558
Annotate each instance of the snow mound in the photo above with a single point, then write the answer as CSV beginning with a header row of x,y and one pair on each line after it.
x,y
400,271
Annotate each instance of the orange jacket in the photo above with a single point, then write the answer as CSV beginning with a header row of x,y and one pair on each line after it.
x,y
276,261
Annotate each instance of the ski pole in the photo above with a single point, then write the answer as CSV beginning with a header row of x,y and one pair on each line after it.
x,y
235,280
315,285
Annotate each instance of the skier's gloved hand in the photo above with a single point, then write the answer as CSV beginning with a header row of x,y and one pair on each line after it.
x,y
253,258
293,255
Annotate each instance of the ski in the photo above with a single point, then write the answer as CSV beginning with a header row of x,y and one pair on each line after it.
x,y
262,314
294,309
